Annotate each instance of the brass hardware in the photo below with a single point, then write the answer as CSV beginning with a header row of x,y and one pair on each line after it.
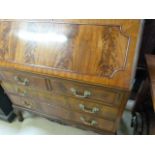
x,y
85,94
90,123
21,92
27,104
93,110
21,81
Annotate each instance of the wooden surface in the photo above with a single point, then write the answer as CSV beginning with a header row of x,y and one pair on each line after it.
x,y
150,60
38,97
63,113
66,122
104,110
64,87
77,71
95,95
104,48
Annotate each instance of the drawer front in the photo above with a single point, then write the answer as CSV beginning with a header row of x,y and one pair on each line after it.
x,y
65,114
79,118
94,122
24,79
79,105
73,89
83,91
83,119
24,102
93,109
41,107
36,94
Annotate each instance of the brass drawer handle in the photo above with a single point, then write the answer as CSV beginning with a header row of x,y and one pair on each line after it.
x,y
27,104
85,94
90,123
21,92
21,81
93,110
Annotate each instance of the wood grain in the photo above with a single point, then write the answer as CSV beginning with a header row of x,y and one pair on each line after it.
x,y
74,71
105,109
19,78
62,113
99,94
105,51
66,122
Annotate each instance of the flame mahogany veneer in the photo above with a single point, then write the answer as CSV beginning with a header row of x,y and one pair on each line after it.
x,y
78,72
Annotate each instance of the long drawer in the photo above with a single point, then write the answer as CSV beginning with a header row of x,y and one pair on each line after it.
x,y
65,87
80,105
50,110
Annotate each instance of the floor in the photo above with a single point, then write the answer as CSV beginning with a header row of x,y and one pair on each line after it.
x,y
34,125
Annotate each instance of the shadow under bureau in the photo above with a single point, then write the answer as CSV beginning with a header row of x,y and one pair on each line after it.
x,y
77,72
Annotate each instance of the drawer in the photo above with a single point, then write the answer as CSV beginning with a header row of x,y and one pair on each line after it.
x,y
93,108
79,105
41,94
41,107
59,112
24,102
35,94
84,91
25,79
94,122
64,87
82,119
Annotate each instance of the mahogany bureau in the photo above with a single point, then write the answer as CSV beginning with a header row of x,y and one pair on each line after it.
x,y
77,72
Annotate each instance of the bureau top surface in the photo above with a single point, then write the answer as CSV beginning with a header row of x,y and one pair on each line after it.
x,y
94,51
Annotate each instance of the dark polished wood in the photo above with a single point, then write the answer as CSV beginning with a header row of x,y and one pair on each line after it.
x,y
150,60
143,111
77,71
